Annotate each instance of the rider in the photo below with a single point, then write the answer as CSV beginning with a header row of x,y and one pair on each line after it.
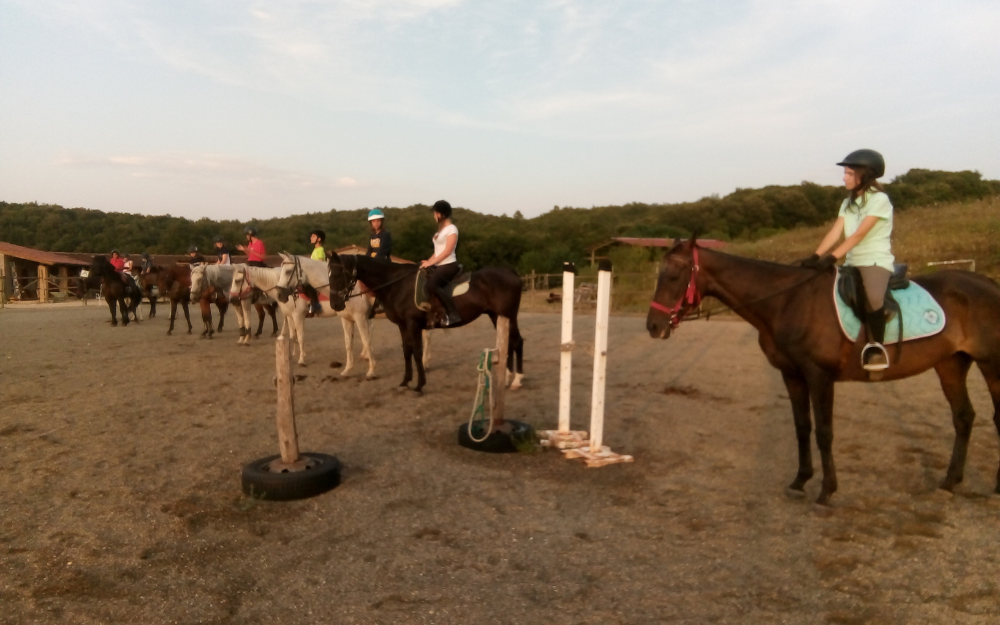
x,y
147,262
117,261
443,266
380,242
222,252
254,249
865,220
194,256
316,238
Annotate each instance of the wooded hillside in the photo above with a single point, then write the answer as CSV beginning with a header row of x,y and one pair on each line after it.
x,y
541,244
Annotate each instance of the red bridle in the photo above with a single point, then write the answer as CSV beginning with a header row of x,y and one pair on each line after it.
x,y
691,297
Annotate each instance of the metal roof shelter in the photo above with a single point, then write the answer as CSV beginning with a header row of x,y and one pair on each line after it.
x,y
27,274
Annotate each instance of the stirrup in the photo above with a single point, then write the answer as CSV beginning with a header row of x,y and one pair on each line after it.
x,y
875,366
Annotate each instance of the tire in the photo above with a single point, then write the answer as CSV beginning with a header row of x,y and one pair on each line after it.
x,y
497,442
260,483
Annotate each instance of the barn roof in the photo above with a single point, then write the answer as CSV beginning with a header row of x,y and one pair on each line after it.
x,y
39,256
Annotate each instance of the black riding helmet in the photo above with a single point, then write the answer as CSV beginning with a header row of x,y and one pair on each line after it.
x,y
250,230
865,158
442,207
193,249
218,239
319,235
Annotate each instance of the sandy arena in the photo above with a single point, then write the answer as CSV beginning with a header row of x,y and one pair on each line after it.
x,y
121,450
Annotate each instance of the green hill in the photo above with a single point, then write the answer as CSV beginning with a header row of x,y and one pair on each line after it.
x,y
541,244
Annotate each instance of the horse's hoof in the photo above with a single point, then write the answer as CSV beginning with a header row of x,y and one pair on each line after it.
x,y
402,388
189,331
795,493
169,332
371,376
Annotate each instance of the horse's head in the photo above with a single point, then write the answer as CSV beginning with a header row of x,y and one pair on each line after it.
x,y
101,266
343,278
290,276
240,286
198,281
676,290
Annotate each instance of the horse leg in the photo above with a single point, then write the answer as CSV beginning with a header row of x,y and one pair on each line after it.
x,y
206,318
991,371
416,341
515,352
953,372
821,397
223,306
798,393
348,325
114,312
427,348
243,316
298,325
407,357
260,320
365,330
187,314
273,309
173,315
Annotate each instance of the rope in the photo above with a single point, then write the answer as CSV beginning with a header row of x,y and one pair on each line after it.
x,y
484,387
717,311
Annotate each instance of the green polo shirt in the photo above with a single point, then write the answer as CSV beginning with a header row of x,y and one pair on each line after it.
x,y
876,248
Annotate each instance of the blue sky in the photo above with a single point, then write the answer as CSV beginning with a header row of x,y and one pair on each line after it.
x,y
239,109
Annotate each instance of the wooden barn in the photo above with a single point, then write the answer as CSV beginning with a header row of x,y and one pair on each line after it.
x,y
28,274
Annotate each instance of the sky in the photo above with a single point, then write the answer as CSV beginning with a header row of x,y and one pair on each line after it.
x,y
240,109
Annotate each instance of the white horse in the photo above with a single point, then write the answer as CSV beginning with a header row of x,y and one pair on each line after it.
x,y
298,271
221,277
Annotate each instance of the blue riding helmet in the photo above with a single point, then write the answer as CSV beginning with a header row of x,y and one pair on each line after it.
x,y
375,213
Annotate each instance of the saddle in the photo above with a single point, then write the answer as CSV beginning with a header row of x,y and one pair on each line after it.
x,y
423,298
851,289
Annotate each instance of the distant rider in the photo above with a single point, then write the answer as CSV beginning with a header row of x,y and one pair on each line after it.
x,y
380,241
316,238
194,256
254,249
222,253
865,219
443,266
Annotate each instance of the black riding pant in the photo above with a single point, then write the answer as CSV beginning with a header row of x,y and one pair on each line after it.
x,y
439,276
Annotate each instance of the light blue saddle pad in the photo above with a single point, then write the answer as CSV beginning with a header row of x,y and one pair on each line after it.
x,y
922,315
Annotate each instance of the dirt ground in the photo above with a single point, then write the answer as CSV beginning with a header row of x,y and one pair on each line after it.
x,y
121,449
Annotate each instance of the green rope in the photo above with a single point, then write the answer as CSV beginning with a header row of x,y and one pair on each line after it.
x,y
484,390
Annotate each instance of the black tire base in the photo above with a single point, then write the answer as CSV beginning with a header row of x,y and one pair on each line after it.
x,y
260,483
496,442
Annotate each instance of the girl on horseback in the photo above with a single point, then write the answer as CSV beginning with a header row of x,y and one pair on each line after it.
x,y
316,238
865,220
117,261
254,249
443,266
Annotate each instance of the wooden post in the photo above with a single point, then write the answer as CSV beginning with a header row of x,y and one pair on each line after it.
x,y
64,282
499,381
4,277
288,440
600,356
43,284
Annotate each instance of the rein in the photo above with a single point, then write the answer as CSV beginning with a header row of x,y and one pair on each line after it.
x,y
692,296
353,280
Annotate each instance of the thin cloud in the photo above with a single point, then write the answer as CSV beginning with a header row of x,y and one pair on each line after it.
x,y
206,168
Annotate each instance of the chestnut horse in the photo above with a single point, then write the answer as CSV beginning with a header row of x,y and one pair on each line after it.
x,y
492,291
114,288
792,309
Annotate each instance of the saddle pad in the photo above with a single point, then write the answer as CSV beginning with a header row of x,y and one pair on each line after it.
x,y
922,315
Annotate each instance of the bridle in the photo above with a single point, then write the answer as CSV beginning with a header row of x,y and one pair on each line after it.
x,y
690,299
350,278
246,287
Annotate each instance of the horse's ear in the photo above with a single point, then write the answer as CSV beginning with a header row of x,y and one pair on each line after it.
x,y
694,238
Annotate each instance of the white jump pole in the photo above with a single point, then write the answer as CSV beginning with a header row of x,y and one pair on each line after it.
x,y
564,437
566,346
597,454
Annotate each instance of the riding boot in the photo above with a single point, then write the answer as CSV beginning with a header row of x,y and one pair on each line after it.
x,y
452,316
874,357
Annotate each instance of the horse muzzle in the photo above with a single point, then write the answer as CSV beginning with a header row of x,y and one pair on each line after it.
x,y
659,326
283,294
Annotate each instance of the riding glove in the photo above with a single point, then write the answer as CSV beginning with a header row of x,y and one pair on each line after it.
x,y
808,263
826,262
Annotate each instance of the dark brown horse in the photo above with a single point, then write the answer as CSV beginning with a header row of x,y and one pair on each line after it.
x,y
116,290
492,291
792,309
175,283
147,284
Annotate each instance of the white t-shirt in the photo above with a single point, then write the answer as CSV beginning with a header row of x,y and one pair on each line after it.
x,y
876,247
441,240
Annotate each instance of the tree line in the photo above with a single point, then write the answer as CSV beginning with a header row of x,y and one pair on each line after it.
x,y
539,244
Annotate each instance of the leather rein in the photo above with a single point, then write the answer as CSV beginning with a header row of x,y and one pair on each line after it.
x,y
691,297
